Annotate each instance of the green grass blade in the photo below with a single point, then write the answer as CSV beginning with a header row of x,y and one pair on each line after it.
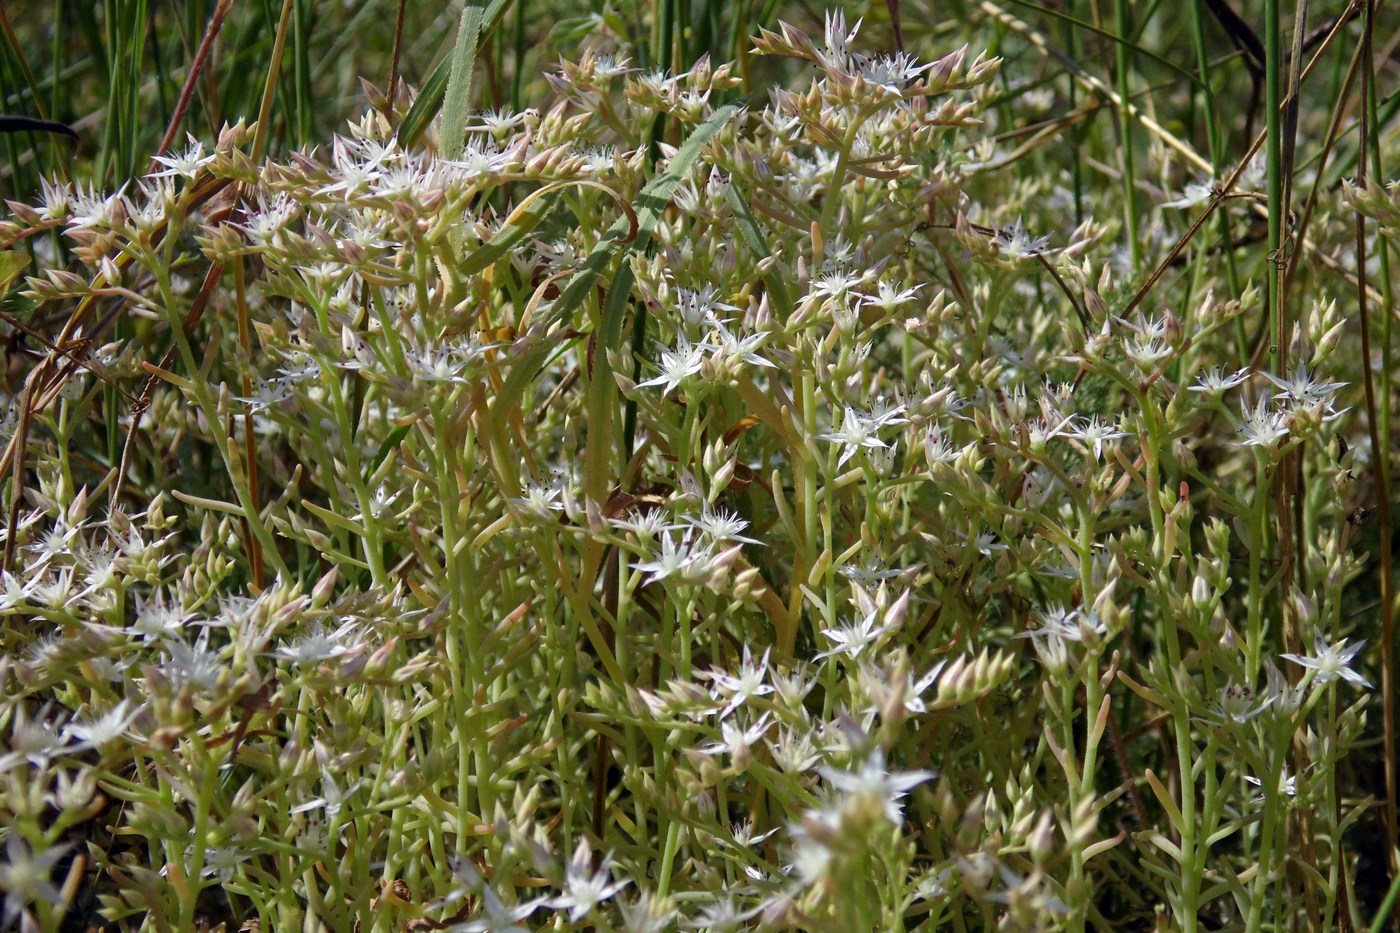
x,y
301,122
425,107
430,99
394,438
506,239
752,236
1122,71
459,82
649,205
1378,923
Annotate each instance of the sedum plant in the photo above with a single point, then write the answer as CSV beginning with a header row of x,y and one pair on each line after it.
x,y
666,511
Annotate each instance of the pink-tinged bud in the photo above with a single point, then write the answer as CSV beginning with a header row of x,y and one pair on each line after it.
x,y
945,68
110,274
325,587
983,69
24,212
537,163
1172,327
1228,638
1185,457
378,662
67,284
221,244
1202,593
1041,841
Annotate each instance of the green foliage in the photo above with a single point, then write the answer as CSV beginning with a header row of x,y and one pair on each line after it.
x,y
663,467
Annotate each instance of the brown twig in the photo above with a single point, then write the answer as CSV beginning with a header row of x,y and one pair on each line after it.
x,y
394,63
895,24
201,58
1226,190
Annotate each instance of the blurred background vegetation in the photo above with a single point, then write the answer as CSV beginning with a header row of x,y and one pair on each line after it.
x,y
113,70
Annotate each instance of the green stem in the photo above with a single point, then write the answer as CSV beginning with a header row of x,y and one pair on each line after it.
x,y
832,198
1258,528
1122,54
1273,156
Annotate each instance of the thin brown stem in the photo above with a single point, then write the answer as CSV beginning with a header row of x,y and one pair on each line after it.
x,y
201,58
394,62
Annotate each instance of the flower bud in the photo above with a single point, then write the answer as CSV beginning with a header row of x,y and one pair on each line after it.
x,y
1185,457
1041,841
1202,593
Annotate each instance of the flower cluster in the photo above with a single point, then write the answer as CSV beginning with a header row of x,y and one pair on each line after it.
x,y
667,514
